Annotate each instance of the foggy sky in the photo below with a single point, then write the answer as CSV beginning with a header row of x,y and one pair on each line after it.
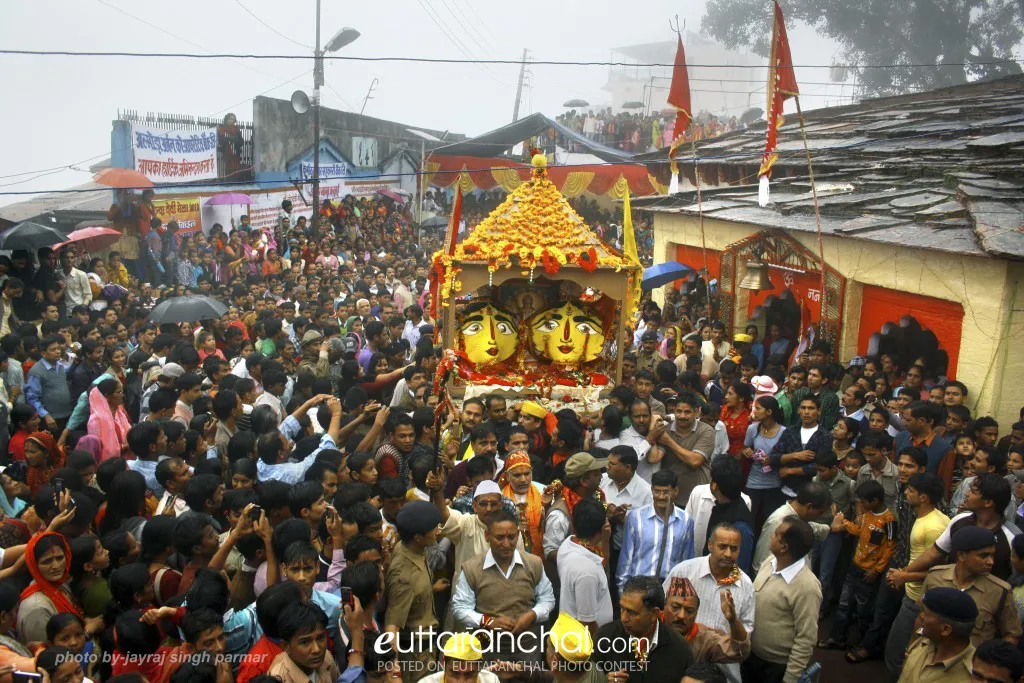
x,y
58,109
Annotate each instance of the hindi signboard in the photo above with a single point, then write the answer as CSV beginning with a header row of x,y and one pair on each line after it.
x,y
328,172
185,210
263,212
166,156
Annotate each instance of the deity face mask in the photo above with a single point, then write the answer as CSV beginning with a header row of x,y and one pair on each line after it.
x,y
567,334
489,335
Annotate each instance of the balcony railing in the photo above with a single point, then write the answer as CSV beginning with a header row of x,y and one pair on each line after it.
x,y
234,146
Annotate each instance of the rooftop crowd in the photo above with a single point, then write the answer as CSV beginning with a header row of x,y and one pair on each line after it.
x,y
264,496
635,132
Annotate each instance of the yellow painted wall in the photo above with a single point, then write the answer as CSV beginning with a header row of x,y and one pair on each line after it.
x,y
991,361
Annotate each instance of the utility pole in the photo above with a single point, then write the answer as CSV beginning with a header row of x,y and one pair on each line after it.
x,y
519,88
369,96
318,80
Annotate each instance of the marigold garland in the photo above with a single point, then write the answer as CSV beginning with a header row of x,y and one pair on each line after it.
x,y
536,226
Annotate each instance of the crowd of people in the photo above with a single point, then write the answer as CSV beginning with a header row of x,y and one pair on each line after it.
x,y
277,494
638,133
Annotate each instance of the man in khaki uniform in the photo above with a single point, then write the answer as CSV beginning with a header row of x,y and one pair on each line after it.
x,y
410,589
648,357
945,652
974,548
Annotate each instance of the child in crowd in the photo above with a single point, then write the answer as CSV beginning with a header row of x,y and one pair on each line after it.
x,y
875,529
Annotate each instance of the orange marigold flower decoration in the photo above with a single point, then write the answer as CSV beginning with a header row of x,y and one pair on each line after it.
x,y
588,260
551,265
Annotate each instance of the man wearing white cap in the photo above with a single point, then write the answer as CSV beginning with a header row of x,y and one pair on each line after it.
x,y
468,532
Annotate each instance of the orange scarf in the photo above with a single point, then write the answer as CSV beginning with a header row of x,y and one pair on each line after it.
x,y
60,599
534,510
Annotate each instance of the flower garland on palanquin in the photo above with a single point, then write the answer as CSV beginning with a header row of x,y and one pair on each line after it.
x,y
534,226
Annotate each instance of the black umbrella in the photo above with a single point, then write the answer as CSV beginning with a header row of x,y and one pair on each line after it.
x,y
31,236
751,115
187,309
576,103
435,222
633,105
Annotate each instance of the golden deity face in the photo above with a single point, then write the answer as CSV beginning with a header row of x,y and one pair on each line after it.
x,y
567,334
489,335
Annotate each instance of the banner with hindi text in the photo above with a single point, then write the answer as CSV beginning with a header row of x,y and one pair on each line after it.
x,y
166,156
185,210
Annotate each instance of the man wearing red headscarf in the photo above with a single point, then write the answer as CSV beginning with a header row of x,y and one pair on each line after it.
x,y
708,644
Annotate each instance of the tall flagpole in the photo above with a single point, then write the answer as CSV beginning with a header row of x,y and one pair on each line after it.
x,y
817,211
700,214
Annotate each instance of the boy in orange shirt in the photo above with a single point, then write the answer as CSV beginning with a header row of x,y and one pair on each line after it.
x,y
875,530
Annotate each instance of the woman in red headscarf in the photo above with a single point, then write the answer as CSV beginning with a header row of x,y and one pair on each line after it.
x,y
44,457
48,558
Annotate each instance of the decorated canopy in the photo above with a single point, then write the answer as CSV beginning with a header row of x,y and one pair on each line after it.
x,y
476,163
481,173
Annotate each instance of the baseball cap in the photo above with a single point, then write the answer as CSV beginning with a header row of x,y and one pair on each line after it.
x,y
581,463
172,371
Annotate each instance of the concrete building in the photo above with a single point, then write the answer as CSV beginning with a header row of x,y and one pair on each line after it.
x,y
921,251
720,91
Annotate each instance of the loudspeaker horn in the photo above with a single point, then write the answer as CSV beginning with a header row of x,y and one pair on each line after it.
x,y
300,102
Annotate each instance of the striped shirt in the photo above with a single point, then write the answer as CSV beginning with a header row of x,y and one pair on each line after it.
x,y
642,542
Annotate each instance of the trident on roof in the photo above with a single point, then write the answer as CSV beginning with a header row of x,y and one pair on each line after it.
x,y
676,28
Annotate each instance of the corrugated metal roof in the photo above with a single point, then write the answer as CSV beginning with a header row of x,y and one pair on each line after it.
x,y
84,198
942,170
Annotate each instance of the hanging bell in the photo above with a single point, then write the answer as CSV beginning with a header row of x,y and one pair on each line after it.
x,y
756,278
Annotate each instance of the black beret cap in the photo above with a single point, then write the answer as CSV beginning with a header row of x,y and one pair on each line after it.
x,y
418,517
950,603
972,538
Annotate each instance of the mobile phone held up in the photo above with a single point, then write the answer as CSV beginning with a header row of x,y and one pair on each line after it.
x,y
26,677
254,513
346,596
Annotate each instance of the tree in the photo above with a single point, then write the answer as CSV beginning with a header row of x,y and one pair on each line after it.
x,y
940,42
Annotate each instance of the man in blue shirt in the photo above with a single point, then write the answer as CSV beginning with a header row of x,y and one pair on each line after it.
x,y
657,537
46,388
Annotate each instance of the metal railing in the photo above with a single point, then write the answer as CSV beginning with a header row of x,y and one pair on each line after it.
x,y
234,152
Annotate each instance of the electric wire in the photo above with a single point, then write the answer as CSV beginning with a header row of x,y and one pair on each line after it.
x,y
441,60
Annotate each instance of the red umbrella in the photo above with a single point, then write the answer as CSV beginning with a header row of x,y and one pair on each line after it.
x,y
124,178
94,238
392,195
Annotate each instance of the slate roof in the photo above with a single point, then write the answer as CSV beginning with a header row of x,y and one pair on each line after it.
x,y
941,170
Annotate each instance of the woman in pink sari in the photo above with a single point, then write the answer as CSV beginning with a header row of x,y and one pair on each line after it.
x,y
108,419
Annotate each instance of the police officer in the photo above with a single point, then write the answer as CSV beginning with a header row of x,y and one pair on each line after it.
x,y
410,589
974,549
944,652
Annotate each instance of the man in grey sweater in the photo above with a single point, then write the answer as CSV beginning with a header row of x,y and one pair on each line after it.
x,y
787,599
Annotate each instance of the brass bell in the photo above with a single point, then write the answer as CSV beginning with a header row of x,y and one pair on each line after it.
x,y
756,278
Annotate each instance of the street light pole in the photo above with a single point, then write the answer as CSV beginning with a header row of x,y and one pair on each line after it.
x,y
318,79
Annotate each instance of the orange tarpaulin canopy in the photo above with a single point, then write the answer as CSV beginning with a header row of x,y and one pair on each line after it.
x,y
481,173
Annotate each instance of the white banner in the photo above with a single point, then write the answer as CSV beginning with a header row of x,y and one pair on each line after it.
x,y
174,156
265,206
329,172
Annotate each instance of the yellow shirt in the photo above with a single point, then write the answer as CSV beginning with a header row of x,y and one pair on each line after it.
x,y
923,535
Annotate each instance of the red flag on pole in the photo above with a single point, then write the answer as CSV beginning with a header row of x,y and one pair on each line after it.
x,y
781,86
679,97
451,236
